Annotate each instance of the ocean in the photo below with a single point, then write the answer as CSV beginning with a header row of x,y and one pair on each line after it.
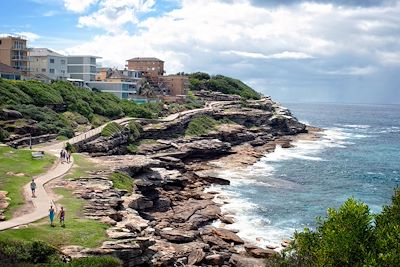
x,y
358,155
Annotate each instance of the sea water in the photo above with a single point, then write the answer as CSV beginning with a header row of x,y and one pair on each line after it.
x,y
358,155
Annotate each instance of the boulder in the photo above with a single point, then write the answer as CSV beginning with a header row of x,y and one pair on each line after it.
x,y
227,235
139,202
215,259
227,220
258,252
196,256
241,261
178,236
9,114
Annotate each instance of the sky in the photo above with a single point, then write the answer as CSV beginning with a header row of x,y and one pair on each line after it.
x,y
344,51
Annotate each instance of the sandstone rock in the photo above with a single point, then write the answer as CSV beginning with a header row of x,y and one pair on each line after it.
x,y
227,220
258,252
285,243
196,256
227,235
178,236
139,202
215,259
241,261
8,114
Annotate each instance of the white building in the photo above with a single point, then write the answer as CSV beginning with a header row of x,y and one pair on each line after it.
x,y
82,67
122,89
44,61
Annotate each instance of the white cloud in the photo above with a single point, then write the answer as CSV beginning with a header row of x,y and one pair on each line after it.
x,y
390,58
281,55
113,14
238,39
78,6
32,37
354,71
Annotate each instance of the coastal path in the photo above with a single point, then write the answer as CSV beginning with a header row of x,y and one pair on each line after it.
x,y
42,202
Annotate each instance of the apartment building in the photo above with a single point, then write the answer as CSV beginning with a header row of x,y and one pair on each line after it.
x,y
151,67
177,85
46,62
14,53
122,83
82,67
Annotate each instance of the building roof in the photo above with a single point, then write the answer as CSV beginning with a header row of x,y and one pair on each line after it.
x,y
8,69
83,56
43,52
145,59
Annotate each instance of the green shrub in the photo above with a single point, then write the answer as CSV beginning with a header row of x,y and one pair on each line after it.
x,y
203,81
135,129
14,251
3,135
110,129
104,261
348,237
132,148
200,125
98,120
122,181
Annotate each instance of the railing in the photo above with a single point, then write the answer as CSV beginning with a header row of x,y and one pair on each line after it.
x,y
22,58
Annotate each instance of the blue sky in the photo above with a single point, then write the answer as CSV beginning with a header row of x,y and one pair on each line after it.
x,y
295,51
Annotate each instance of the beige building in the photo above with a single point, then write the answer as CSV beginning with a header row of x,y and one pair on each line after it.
x,y
176,84
14,52
151,67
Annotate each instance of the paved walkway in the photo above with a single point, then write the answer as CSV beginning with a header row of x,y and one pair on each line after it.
x,y
43,201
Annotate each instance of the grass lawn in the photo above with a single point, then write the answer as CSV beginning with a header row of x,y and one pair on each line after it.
x,y
82,165
19,161
77,231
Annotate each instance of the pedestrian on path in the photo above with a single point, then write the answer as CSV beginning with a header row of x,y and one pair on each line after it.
x,y
68,156
62,155
33,188
62,217
52,213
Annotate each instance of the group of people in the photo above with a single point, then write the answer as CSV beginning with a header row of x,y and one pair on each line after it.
x,y
61,215
65,156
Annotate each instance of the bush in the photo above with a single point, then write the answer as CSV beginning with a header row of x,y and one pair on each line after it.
x,y
135,129
13,251
104,261
3,135
223,84
348,237
200,125
132,148
110,129
122,181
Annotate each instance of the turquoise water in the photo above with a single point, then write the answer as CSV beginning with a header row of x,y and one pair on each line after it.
x,y
357,155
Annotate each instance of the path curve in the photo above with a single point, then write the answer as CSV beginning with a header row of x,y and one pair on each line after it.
x,y
43,201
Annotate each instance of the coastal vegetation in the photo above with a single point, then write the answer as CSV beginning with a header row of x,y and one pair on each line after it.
x,y
16,169
349,236
110,129
219,83
59,108
122,181
38,253
203,124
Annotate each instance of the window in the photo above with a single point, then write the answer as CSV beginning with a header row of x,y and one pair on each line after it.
x,y
62,71
0,42
43,70
62,61
51,60
51,70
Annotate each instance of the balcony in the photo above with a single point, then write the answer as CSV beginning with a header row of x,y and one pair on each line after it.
x,y
20,58
22,68
19,47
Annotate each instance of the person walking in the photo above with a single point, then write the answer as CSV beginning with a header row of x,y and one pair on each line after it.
x,y
52,213
33,188
62,217
62,155
68,156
